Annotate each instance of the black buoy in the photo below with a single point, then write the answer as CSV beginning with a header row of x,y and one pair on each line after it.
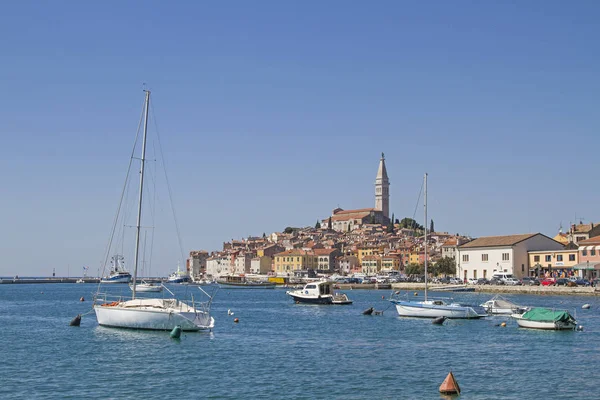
x,y
76,321
439,320
368,311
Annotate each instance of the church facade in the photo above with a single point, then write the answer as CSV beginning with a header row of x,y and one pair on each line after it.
x,y
348,220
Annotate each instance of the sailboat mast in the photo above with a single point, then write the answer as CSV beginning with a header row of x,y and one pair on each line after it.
x,y
425,225
139,216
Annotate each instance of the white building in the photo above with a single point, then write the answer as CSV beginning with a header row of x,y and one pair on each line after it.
x,y
483,257
219,265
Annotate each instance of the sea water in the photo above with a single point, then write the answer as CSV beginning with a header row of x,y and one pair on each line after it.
x,y
280,349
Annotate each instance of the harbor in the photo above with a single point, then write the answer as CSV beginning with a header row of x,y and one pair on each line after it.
x,y
280,349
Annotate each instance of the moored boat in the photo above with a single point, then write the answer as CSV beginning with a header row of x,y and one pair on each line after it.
x,y
241,282
318,293
502,306
546,318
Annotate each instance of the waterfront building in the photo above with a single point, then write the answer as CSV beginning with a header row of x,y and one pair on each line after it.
x,y
450,246
550,262
326,259
363,251
196,264
371,265
261,265
289,261
483,257
390,262
589,258
347,264
218,264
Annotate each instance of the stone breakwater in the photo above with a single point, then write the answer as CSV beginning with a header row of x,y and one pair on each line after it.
x,y
539,290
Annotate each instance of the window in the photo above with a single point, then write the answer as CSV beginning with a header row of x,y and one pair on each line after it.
x,y
536,258
522,267
593,252
584,253
505,256
484,257
559,257
548,258
571,257
465,258
485,273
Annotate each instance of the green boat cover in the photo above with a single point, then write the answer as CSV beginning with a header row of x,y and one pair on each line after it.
x,y
546,314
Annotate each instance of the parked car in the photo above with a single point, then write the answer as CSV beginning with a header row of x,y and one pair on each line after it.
x,y
496,281
511,282
444,280
483,281
472,281
582,282
456,281
548,282
561,282
528,280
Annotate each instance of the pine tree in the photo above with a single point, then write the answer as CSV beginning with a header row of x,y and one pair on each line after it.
x,y
431,227
329,226
318,225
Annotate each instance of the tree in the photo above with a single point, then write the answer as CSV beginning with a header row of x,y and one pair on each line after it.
x,y
414,269
288,229
391,226
410,223
318,225
431,229
446,266
264,235
349,227
329,226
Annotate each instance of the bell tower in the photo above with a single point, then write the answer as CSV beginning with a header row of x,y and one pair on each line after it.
x,y
382,189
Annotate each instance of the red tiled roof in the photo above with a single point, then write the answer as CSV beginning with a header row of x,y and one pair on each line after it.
x,y
498,241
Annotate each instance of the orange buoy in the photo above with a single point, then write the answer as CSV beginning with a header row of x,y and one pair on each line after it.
x,y
236,320
450,386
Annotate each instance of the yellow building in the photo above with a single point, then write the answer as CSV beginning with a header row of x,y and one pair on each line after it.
x,y
371,264
541,262
295,260
367,251
390,263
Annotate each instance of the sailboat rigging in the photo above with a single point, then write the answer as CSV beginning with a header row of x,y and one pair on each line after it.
x,y
429,307
146,312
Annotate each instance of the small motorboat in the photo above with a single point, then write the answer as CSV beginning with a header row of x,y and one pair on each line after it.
x,y
546,318
501,306
318,293
341,299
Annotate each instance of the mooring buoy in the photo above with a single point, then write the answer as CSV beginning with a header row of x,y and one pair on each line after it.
x,y
82,298
503,324
586,306
450,386
176,332
236,320
76,321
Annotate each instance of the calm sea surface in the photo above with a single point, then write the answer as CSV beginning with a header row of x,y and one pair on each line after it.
x,y
284,350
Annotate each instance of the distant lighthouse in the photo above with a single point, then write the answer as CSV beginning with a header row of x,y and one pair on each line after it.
x,y
382,189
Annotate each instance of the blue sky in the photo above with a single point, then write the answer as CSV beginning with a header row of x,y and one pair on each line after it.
x,y
272,113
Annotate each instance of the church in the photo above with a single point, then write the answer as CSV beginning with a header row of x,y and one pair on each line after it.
x,y
347,220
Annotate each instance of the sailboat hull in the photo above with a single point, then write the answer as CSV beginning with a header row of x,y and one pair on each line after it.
x,y
430,310
152,315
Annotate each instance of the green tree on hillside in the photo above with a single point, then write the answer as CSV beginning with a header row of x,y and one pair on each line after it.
x,y
431,228
318,225
329,226
410,223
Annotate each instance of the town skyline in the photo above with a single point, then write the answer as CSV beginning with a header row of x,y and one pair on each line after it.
x,y
273,115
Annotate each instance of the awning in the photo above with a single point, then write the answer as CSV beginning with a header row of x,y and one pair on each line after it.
x,y
587,266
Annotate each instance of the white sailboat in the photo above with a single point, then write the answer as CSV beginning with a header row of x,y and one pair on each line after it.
x,y
433,307
144,312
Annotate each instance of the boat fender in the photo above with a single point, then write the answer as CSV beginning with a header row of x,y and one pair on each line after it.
x,y
586,306
76,321
176,332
